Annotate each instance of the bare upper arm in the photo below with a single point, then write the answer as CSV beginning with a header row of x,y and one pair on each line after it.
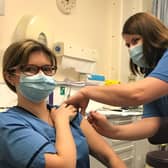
x,y
52,160
99,148
92,136
95,140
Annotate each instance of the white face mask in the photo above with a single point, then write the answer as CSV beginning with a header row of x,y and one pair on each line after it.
x,y
136,54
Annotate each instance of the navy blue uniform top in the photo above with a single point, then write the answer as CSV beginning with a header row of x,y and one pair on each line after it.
x,y
24,139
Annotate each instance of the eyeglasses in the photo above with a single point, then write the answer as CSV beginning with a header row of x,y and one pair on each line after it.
x,y
30,69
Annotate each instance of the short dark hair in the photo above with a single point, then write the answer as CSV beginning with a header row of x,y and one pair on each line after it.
x,y
18,53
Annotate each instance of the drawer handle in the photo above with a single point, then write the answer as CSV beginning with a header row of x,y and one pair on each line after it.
x,y
128,159
124,149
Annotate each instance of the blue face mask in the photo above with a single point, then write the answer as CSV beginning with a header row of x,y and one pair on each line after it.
x,y
37,87
136,55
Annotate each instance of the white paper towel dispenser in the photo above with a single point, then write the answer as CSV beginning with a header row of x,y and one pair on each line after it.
x,y
82,65
83,60
33,27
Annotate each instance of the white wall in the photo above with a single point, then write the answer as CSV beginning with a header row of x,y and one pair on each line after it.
x,y
94,24
85,26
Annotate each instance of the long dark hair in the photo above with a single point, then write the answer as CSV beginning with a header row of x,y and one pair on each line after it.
x,y
154,35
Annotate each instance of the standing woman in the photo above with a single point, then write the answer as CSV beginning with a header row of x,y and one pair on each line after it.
x,y
33,134
147,41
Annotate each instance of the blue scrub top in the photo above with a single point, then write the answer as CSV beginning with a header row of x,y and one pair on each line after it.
x,y
24,139
159,107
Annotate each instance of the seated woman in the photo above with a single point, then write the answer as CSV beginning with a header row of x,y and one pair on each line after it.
x,y
36,135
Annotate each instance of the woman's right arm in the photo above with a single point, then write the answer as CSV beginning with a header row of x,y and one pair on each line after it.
x,y
140,129
64,142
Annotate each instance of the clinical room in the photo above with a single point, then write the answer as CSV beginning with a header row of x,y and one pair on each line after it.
x,y
86,82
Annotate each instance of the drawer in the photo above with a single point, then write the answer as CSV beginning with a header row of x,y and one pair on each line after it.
x,y
115,142
125,152
129,161
118,143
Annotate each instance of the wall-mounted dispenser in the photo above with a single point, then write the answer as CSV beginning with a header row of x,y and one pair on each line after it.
x,y
82,65
34,27
81,59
